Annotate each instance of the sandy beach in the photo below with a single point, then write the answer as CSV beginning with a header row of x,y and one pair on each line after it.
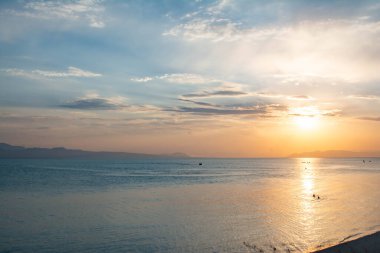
x,y
365,244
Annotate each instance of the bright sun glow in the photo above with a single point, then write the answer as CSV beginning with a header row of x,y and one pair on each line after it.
x,y
306,122
306,118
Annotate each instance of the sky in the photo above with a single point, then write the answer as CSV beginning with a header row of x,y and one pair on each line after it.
x,y
225,78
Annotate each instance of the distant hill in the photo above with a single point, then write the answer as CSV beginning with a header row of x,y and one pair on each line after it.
x,y
10,151
336,154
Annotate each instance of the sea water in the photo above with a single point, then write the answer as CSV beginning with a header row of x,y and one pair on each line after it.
x,y
177,205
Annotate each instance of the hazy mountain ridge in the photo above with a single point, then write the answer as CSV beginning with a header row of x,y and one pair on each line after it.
x,y
336,154
10,151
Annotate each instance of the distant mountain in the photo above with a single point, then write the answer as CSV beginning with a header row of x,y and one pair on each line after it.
x,y
10,151
336,153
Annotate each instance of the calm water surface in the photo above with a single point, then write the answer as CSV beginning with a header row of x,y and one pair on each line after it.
x,y
157,205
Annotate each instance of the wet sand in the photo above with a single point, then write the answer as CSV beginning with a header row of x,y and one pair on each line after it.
x,y
366,244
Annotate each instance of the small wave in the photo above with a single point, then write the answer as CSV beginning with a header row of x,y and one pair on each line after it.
x,y
350,236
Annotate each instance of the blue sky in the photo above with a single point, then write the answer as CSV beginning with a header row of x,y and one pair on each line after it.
x,y
161,76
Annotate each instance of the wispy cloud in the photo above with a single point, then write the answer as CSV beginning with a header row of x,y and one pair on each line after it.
x,y
313,111
366,97
186,78
142,79
206,23
259,110
71,72
88,11
300,97
268,95
198,102
217,93
94,101
178,78
221,21
370,118
317,47
206,29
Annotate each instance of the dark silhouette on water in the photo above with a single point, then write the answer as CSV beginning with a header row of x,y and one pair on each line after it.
x,y
200,164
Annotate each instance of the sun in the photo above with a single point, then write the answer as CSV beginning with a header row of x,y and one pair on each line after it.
x,y
306,122
306,118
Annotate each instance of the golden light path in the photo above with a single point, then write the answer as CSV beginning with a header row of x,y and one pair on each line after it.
x,y
307,176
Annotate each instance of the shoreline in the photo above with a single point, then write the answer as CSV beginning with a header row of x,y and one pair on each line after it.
x,y
366,244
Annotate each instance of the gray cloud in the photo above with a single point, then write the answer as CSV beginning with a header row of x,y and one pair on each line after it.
x,y
260,110
215,93
334,113
202,110
93,103
198,103
370,118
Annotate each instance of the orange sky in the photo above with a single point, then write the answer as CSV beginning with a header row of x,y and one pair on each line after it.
x,y
221,78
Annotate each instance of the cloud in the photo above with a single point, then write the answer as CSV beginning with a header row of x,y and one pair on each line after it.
x,y
370,118
198,103
259,110
313,111
206,29
268,95
367,97
213,24
215,111
227,20
218,6
228,93
71,72
331,113
179,78
185,78
94,102
206,23
141,79
338,47
300,97
88,11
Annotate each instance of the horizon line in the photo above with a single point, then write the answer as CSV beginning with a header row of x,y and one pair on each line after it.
x,y
360,154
